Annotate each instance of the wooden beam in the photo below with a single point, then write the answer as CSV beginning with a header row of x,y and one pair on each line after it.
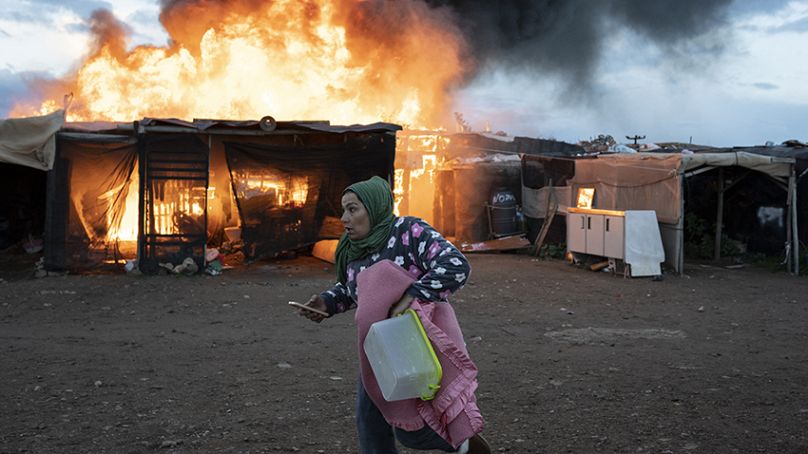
x,y
795,233
719,216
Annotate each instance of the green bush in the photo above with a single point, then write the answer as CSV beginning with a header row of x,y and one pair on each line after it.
x,y
553,251
700,240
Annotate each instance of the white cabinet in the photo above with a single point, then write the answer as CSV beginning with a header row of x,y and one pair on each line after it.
x,y
631,236
576,232
613,236
594,232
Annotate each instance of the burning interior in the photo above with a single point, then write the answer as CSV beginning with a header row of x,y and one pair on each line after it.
x,y
161,191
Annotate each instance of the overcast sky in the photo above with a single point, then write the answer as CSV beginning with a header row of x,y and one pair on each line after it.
x,y
751,89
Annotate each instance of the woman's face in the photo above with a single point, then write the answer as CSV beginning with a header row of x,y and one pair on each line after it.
x,y
355,217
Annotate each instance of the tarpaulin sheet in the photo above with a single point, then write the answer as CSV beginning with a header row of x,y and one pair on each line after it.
x,y
633,182
652,181
770,165
30,141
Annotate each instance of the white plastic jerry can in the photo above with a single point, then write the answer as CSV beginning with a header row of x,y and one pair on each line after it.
x,y
402,358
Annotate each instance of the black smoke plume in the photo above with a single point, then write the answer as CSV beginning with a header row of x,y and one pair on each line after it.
x,y
566,36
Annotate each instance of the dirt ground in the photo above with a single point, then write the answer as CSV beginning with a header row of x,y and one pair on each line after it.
x,y
570,360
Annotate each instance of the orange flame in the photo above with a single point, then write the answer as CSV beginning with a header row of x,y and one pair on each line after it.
x,y
338,60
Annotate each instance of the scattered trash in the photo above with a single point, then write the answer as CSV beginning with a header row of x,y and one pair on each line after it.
x,y
215,262
214,268
188,267
601,143
32,245
211,254
130,266
599,266
648,147
620,148
41,272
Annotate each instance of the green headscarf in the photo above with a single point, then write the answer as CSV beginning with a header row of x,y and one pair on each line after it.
x,y
377,197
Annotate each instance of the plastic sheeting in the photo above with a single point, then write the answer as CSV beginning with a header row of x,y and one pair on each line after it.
x,y
770,165
30,141
92,195
652,181
535,201
633,182
643,243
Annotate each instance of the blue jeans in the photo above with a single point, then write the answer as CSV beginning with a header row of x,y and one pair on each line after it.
x,y
377,436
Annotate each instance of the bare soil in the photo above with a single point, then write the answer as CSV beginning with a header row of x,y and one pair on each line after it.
x,y
570,360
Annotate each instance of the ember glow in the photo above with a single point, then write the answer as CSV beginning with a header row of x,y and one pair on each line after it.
x,y
290,192
421,156
338,60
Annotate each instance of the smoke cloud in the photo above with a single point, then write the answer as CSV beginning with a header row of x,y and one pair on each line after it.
x,y
109,32
561,37
566,36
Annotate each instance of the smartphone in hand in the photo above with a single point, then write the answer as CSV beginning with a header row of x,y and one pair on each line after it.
x,y
308,308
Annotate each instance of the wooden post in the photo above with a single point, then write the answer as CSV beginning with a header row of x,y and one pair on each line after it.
x,y
680,226
141,203
795,233
549,215
404,207
719,216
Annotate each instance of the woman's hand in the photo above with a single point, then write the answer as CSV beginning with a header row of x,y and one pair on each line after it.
x,y
401,305
315,302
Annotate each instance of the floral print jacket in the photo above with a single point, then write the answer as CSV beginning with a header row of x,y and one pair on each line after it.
x,y
439,267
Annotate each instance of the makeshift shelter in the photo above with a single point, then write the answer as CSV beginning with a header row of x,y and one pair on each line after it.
x,y
162,190
654,181
540,173
27,149
449,179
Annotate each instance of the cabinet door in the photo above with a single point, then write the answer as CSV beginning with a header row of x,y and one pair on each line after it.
x,y
613,242
576,232
594,234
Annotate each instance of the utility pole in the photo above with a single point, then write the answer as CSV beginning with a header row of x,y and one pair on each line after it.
x,y
635,138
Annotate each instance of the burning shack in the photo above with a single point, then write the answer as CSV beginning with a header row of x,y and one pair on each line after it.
x,y
161,190
469,184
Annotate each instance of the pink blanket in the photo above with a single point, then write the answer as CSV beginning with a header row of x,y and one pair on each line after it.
x,y
453,414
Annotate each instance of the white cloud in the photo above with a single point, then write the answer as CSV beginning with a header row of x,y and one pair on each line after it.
x,y
50,44
773,21
143,18
52,38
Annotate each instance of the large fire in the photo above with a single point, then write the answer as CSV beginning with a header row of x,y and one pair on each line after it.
x,y
338,60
